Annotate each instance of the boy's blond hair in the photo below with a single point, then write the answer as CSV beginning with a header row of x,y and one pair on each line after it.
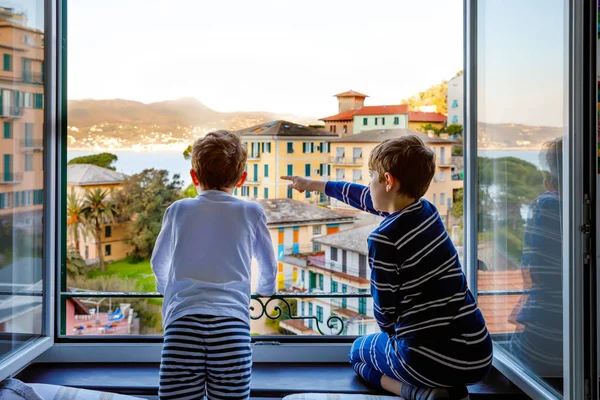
x,y
407,159
219,160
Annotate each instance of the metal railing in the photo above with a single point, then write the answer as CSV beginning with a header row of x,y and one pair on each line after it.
x,y
11,111
33,77
272,307
32,144
352,161
10,178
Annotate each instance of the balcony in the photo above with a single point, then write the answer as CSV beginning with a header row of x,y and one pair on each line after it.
x,y
346,161
252,182
11,178
11,112
254,157
32,144
36,78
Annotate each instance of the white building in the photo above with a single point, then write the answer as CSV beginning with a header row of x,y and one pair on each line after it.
x,y
341,267
455,100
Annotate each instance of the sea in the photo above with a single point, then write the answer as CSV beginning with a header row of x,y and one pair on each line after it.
x,y
131,162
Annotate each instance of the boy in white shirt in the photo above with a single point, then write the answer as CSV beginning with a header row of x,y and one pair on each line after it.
x,y
202,263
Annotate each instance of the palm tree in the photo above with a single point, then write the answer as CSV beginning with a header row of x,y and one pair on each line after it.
x,y
76,223
75,263
98,209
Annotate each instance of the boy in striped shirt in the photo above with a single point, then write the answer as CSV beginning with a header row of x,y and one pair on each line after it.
x,y
433,339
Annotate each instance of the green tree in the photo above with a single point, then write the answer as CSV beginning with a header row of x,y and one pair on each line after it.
x,y
76,222
187,153
454,129
104,160
458,204
286,313
434,96
190,191
75,263
98,209
428,127
144,199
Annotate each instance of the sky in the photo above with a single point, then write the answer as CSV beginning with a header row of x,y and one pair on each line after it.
x,y
262,55
292,56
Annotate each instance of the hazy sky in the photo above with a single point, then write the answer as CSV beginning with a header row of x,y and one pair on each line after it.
x,y
292,56
272,55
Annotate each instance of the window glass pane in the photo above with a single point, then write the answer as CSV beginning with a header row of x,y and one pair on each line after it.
x,y
521,108
21,178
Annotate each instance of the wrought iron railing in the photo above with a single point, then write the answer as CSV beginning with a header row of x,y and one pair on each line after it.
x,y
273,307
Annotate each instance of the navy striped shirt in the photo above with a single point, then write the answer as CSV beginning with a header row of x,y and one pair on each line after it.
x,y
417,283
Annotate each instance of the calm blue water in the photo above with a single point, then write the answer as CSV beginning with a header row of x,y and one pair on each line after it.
x,y
131,162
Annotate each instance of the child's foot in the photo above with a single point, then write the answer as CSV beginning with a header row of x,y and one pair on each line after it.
x,y
409,392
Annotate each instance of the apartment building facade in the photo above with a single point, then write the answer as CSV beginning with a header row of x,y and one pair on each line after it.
x,y
293,226
455,100
21,120
340,267
282,148
80,179
350,156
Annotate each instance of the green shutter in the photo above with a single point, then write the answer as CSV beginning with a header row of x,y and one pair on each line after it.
x,y
266,170
7,130
307,170
255,191
269,147
38,101
304,148
289,193
7,62
290,170
266,193
290,147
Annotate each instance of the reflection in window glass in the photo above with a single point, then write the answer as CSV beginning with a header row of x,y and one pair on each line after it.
x,y
21,176
521,104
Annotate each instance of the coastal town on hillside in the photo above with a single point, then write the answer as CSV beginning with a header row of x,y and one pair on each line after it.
x,y
320,243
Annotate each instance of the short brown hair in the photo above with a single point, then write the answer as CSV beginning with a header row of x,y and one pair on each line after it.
x,y
219,160
407,159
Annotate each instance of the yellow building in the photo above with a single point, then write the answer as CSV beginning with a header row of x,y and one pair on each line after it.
x,y
282,148
418,119
83,177
21,120
350,155
293,225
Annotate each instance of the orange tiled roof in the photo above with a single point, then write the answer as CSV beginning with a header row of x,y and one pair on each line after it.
x,y
385,110
418,116
351,93
497,309
345,116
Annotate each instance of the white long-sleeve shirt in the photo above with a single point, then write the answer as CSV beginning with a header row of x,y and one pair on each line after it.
x,y
203,254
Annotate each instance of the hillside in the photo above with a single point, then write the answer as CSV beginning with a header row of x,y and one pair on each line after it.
x,y
127,124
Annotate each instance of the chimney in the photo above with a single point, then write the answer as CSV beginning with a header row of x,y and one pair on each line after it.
x,y
444,135
431,134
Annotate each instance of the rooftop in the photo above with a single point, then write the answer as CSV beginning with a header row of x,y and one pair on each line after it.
x,y
284,128
351,239
370,110
418,116
385,110
350,93
88,174
378,135
287,211
345,116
